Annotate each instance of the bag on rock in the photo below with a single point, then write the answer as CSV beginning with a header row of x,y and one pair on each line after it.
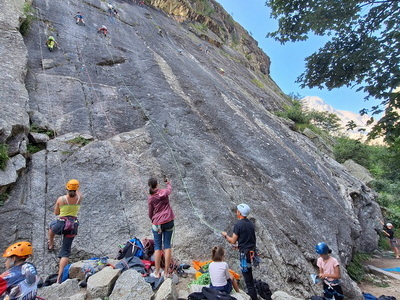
x,y
263,289
133,247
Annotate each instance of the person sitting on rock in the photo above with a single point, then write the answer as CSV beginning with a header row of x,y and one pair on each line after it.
x,y
220,277
103,29
20,280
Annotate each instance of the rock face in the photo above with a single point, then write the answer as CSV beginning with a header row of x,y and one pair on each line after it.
x,y
148,101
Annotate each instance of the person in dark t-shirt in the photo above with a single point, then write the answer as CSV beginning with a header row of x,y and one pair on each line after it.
x,y
244,234
389,232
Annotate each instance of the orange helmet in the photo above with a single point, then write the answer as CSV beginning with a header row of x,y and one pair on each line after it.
x,y
72,185
20,249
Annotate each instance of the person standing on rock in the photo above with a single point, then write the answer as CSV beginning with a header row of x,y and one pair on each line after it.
x,y
66,208
20,279
389,232
244,234
162,220
329,272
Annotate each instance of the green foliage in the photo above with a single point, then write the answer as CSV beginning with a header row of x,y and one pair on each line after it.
x,y
35,128
347,148
362,51
3,198
200,26
33,148
3,156
80,141
295,113
257,83
28,14
204,7
355,268
325,120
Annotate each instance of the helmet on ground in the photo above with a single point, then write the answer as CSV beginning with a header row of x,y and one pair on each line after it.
x,y
51,38
244,209
72,185
20,249
322,248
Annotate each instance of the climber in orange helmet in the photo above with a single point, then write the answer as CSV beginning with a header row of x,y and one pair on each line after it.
x,y
66,209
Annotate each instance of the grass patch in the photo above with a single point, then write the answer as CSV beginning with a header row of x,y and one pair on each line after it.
x,y
37,129
3,198
257,83
355,268
3,156
200,27
32,149
26,24
80,141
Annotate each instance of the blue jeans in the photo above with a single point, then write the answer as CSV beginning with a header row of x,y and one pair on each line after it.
x,y
165,236
227,288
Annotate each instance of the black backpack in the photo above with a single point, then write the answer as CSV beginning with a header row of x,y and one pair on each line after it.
x,y
383,297
263,289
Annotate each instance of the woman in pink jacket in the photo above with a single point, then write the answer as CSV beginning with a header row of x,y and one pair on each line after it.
x,y
162,220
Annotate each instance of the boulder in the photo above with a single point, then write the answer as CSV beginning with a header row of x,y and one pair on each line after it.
x,y
130,285
358,171
167,291
62,291
101,283
279,295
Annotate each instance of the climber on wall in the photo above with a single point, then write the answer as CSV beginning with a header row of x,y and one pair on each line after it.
x,y
79,18
51,43
66,209
103,30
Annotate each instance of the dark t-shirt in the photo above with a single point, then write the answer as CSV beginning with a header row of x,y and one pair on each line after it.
x,y
389,231
244,229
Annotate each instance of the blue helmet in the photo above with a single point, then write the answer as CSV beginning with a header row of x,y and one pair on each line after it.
x,y
322,248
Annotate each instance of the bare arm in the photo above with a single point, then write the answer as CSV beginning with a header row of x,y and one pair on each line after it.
x,y
231,239
57,206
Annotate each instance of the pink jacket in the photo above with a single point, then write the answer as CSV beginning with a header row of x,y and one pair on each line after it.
x,y
160,211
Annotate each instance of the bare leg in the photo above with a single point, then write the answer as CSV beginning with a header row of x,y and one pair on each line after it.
x,y
157,259
396,251
168,255
63,262
234,283
50,245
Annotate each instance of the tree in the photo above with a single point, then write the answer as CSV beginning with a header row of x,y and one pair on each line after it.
x,y
364,49
327,121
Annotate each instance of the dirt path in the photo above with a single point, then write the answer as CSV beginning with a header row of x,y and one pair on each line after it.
x,y
379,284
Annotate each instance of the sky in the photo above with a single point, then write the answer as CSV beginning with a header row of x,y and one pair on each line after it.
x,y
287,61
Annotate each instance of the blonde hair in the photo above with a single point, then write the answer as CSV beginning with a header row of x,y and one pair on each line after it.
x,y
218,253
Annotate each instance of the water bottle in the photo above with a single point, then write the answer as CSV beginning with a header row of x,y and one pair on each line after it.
x,y
243,262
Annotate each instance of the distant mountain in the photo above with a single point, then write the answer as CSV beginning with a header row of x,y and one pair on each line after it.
x,y
317,104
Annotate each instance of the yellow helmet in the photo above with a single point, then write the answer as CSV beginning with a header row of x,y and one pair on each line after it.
x,y
20,249
72,185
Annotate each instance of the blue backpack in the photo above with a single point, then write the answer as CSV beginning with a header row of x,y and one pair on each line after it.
x,y
133,247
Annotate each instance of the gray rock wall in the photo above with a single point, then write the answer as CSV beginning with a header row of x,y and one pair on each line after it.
x,y
149,105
